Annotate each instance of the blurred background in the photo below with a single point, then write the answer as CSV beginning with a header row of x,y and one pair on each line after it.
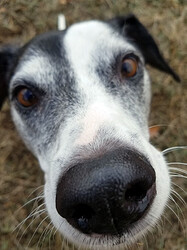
x,y
20,176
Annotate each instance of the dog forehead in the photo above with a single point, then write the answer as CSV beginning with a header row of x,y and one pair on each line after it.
x,y
42,60
94,32
82,44
89,43
94,37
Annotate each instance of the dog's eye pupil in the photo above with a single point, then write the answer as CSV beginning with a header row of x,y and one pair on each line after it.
x,y
129,67
26,98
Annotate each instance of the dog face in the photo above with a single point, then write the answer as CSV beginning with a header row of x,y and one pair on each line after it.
x,y
80,100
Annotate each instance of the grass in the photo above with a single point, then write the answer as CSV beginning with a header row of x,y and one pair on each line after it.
x,y
20,20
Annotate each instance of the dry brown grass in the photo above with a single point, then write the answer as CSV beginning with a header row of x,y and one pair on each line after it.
x,y
20,20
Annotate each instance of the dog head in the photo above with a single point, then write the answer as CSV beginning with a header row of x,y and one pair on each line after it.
x,y
80,100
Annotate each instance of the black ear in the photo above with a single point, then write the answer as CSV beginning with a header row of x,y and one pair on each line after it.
x,y
8,56
137,34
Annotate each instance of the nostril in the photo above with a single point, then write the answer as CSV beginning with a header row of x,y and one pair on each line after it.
x,y
81,216
84,211
138,197
136,192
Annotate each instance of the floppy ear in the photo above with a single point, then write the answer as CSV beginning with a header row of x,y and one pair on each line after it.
x,y
8,57
133,30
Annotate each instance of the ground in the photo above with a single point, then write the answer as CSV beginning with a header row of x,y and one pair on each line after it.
x,y
20,20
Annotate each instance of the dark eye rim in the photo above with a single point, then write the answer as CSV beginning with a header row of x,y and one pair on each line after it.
x,y
37,93
131,56
134,57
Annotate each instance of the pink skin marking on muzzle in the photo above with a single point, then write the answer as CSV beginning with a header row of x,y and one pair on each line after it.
x,y
96,115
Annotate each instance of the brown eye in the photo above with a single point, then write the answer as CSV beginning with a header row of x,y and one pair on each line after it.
x,y
129,67
26,97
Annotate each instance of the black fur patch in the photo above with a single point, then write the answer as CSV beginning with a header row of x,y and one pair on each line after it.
x,y
8,57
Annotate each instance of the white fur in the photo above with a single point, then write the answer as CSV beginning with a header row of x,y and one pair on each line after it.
x,y
34,69
101,110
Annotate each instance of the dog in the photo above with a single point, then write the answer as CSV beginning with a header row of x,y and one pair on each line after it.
x,y
80,99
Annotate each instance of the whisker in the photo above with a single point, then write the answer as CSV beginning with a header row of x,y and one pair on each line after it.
x,y
178,187
44,233
177,206
178,196
37,198
179,170
173,174
167,219
50,235
36,190
175,215
39,213
57,229
36,230
32,214
183,225
62,245
177,163
171,149
53,232
159,125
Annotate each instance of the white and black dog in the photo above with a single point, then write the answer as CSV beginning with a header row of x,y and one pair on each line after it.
x,y
80,100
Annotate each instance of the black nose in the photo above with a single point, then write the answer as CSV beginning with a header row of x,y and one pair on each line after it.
x,y
108,194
